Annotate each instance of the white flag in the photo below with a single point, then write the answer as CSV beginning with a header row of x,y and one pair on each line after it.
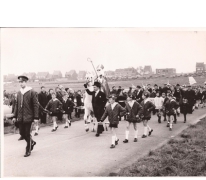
x,y
192,80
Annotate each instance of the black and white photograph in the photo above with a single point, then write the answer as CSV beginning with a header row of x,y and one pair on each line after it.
x,y
102,101
81,102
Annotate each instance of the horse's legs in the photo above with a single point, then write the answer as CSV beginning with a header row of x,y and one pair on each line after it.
x,y
86,115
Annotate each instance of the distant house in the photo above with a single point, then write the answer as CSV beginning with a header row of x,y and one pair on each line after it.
x,y
126,72
57,74
166,71
200,67
30,75
81,75
71,75
11,77
109,73
147,70
43,75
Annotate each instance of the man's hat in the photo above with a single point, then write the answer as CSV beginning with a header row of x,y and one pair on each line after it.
x,y
138,86
155,85
23,78
177,85
97,84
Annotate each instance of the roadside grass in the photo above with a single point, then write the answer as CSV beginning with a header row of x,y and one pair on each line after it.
x,y
183,155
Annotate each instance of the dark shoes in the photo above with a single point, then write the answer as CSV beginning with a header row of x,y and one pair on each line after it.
x,y
97,135
144,136
27,154
70,124
56,127
32,145
135,139
168,125
126,141
35,134
112,146
184,121
116,142
21,138
150,132
53,130
65,126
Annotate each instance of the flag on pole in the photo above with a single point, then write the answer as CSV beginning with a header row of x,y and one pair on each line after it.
x,y
192,80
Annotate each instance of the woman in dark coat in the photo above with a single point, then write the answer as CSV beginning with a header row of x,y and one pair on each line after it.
x,y
133,109
147,107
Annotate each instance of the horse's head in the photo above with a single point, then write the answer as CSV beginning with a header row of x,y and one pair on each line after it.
x,y
100,70
89,77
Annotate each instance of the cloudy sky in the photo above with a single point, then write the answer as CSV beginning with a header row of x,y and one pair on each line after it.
x,y
49,49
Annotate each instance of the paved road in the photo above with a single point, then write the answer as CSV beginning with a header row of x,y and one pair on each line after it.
x,y
73,152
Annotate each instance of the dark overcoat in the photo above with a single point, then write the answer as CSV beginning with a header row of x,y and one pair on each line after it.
x,y
113,115
98,103
133,111
27,107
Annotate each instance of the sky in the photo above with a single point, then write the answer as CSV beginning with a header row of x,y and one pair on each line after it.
x,y
64,49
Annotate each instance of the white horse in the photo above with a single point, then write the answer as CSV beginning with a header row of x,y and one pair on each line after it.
x,y
88,109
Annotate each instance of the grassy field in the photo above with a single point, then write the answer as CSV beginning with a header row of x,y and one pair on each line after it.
x,y
125,84
184,155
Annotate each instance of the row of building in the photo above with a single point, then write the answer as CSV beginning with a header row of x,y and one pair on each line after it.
x,y
118,73
46,76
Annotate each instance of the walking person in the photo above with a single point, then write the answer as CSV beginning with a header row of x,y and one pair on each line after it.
x,y
170,108
25,112
54,107
43,100
113,111
79,104
133,110
184,108
147,108
158,102
98,103
65,107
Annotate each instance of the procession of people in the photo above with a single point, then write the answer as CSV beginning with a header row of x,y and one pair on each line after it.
x,y
137,105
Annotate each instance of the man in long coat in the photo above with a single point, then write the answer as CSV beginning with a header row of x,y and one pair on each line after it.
x,y
99,101
25,112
